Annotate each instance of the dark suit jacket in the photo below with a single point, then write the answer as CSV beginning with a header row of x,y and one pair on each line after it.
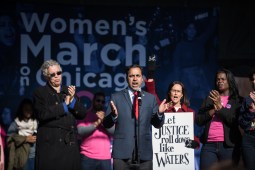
x,y
124,135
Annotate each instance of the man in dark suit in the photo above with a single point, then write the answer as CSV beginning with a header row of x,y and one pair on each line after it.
x,y
57,108
132,143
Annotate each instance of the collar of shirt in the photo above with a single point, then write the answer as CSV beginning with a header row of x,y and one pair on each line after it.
x,y
131,93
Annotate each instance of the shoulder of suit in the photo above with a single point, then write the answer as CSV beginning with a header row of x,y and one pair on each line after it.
x,y
119,92
147,94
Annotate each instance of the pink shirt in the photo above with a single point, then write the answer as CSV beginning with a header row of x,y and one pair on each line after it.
x,y
97,145
2,146
216,131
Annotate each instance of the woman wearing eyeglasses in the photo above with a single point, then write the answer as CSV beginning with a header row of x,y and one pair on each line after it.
x,y
176,99
57,108
178,102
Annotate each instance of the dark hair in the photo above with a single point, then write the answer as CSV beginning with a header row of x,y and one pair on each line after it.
x,y
98,94
233,90
251,75
19,113
133,66
184,99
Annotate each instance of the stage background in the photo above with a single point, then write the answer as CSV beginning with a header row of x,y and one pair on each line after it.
x,y
96,41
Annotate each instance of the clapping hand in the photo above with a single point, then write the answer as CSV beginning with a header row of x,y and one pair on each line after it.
x,y
252,95
100,115
71,92
215,96
114,112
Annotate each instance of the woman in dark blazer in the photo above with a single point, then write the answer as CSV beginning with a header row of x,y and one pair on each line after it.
x,y
247,123
219,115
57,109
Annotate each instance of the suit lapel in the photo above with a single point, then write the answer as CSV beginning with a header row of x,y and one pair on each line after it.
x,y
127,97
142,95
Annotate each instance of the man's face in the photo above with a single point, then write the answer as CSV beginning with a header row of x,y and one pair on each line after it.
x,y
135,78
99,103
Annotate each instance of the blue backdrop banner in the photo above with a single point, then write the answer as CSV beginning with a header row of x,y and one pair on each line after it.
x,y
94,45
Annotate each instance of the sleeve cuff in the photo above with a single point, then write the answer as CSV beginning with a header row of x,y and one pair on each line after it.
x,y
160,116
71,105
65,108
114,118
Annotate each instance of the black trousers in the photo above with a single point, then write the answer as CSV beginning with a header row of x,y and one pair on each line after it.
x,y
126,164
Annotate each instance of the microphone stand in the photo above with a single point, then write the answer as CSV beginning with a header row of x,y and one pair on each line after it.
x,y
138,125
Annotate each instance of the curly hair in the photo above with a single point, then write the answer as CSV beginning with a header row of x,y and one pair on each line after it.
x,y
47,64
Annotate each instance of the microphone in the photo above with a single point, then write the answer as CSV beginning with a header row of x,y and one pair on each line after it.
x,y
139,97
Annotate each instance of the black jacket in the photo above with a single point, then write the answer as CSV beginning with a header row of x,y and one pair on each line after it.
x,y
246,115
228,115
56,145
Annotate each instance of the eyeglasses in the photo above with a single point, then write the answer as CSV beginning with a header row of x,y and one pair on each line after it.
x,y
100,101
54,74
175,91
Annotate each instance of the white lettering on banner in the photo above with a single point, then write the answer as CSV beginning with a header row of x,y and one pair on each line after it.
x,y
24,79
27,43
89,80
68,52
39,39
102,27
169,151
34,21
60,25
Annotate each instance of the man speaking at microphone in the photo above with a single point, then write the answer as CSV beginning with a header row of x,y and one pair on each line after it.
x,y
133,120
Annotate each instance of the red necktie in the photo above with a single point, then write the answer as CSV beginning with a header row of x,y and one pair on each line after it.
x,y
135,103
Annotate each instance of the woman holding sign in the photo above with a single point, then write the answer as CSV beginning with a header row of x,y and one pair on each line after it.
x,y
177,99
177,102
